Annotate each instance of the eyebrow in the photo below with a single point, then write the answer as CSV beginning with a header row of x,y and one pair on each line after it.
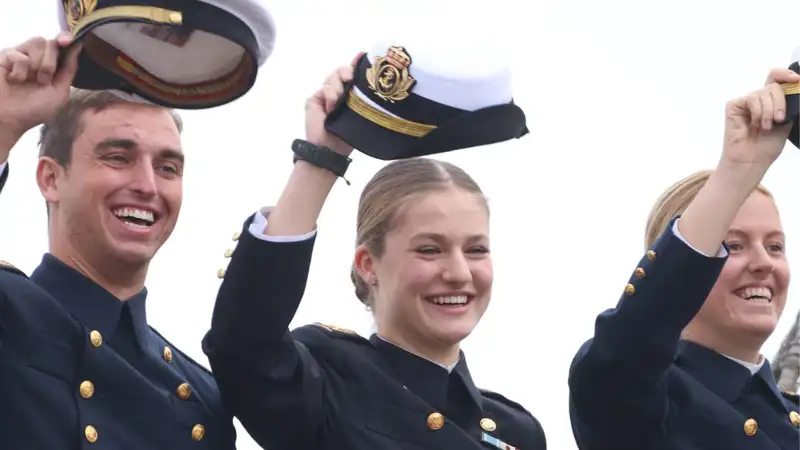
x,y
438,237
130,144
772,234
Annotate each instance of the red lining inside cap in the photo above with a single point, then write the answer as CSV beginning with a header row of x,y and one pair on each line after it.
x,y
121,64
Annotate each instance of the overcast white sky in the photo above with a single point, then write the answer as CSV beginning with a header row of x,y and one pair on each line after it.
x,y
622,97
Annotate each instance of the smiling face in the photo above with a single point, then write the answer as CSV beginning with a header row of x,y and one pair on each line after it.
x,y
121,193
422,260
436,272
748,299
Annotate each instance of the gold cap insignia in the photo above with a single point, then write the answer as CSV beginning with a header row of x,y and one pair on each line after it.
x,y
389,78
77,10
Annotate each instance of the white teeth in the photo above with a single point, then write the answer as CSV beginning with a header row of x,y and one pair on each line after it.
x,y
140,214
450,300
756,294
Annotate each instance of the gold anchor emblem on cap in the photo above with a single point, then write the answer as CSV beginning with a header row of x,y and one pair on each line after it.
x,y
389,78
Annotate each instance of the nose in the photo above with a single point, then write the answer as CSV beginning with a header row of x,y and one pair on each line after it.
x,y
761,261
457,270
143,180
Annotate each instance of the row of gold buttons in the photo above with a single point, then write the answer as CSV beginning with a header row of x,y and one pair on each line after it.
x,y
184,392
228,254
86,390
630,289
436,422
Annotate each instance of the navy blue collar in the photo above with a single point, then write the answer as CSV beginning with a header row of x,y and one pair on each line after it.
x,y
88,302
426,379
720,374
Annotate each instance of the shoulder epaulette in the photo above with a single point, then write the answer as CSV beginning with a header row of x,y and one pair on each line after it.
x,y
503,399
791,396
335,332
334,329
8,267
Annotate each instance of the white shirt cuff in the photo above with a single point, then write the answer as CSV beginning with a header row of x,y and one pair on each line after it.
x,y
259,224
720,254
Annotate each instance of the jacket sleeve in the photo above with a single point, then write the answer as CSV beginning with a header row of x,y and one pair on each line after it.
x,y
618,391
267,379
3,175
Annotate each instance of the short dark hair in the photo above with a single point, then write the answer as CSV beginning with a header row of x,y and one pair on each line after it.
x,y
58,134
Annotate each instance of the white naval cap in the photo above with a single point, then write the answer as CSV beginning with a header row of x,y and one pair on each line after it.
x,y
187,54
414,95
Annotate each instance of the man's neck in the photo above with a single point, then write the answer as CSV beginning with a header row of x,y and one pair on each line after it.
x,y
120,279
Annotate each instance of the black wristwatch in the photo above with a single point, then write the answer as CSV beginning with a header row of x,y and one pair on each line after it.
x,y
322,157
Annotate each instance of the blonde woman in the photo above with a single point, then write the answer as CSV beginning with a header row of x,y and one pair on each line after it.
x,y
422,265
677,363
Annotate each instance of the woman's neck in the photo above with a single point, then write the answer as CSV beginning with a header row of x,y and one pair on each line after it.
x,y
747,350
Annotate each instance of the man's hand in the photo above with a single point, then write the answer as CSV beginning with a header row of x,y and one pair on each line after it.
x,y
322,102
752,140
32,85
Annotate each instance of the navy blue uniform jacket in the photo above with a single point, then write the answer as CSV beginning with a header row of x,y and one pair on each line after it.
x,y
637,386
325,388
81,369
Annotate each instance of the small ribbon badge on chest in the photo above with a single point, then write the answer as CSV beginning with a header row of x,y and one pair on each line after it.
x,y
497,443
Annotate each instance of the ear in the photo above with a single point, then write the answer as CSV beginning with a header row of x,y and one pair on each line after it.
x,y
49,174
365,265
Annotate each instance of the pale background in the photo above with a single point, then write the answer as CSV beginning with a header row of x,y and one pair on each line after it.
x,y
623,97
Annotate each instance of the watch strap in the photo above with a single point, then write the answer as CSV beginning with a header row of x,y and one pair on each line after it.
x,y
321,156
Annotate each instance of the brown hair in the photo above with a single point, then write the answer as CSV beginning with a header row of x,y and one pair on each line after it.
x,y
388,191
675,200
58,134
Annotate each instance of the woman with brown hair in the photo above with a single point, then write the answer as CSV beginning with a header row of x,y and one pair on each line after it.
x,y
422,265
677,363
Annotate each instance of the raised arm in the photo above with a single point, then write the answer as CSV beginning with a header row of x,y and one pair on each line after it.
x,y
32,88
271,382
618,393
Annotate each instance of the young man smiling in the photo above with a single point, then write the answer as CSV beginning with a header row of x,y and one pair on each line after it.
x,y
74,338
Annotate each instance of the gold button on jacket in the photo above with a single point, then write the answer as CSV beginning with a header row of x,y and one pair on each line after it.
x,y
198,432
750,427
167,354
96,338
488,425
435,421
87,389
90,433
184,391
